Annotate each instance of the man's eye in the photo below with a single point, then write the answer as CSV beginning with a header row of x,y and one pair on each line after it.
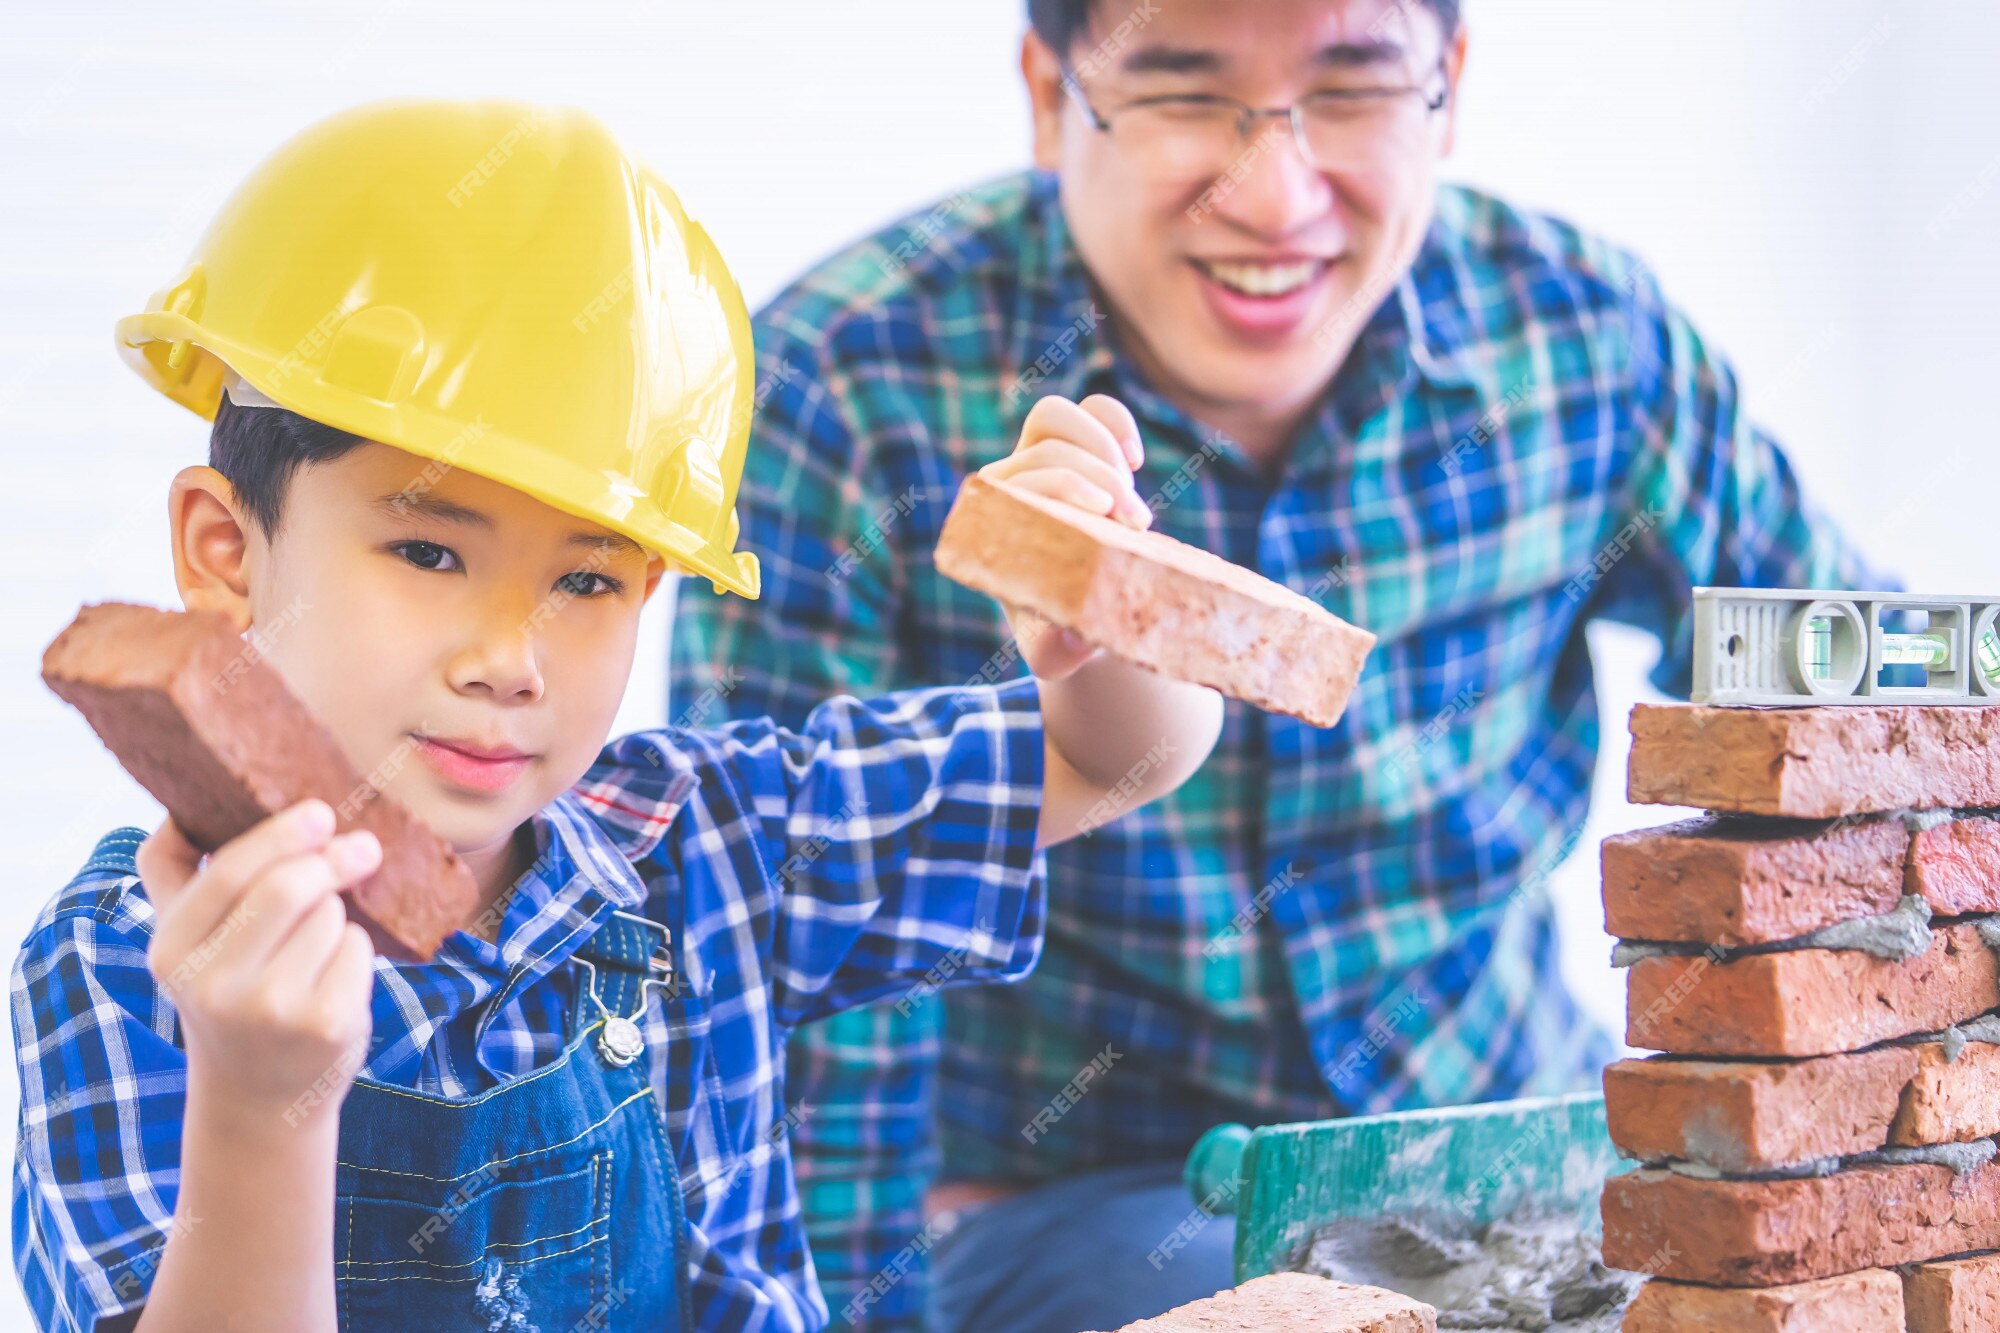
x,y
428,555
586,584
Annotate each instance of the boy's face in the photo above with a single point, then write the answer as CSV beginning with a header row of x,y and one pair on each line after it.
x,y
467,645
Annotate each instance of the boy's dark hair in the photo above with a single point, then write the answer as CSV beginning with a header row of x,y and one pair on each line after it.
x,y
260,449
1060,22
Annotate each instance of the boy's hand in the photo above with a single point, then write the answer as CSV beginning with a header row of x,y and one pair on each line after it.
x,y
1084,454
271,980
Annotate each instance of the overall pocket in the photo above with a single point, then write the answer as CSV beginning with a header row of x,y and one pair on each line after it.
x,y
524,1243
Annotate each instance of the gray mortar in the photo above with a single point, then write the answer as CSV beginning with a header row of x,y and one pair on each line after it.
x,y
1902,932
1531,1272
1962,1158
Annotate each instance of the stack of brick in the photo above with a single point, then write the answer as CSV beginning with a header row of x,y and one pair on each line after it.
x,y
1816,1138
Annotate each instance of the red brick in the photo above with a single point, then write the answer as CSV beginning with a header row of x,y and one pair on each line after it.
x,y
1295,1303
1954,1296
1817,762
1870,1301
1807,1001
1951,1102
1749,881
1750,1117
1152,600
210,728
1956,866
1737,1233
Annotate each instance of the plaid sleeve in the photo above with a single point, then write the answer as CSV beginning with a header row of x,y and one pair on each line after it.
x,y
811,506
900,835
103,1086
1712,499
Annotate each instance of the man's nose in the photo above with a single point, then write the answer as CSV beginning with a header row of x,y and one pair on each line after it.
x,y
1279,190
501,659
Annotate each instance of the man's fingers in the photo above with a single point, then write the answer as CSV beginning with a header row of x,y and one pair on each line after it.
x,y
1060,483
1059,419
1124,427
1059,453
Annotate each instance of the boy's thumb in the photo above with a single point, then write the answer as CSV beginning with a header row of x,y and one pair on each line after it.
x,y
166,862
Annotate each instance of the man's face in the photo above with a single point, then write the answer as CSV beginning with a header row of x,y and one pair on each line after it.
x,y
1240,284
466,644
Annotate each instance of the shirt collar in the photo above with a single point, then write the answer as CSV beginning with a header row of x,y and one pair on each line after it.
x,y
589,842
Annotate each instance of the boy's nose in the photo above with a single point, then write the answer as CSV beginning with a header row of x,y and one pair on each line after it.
x,y
501,660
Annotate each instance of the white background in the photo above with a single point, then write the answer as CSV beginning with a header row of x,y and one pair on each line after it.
x,y
1788,167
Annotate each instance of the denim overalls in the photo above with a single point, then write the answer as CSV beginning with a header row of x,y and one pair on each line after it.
x,y
549,1204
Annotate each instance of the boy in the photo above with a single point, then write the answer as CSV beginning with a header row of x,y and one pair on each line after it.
x,y
478,383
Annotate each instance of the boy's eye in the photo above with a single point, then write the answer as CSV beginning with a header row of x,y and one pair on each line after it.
x,y
583,583
428,555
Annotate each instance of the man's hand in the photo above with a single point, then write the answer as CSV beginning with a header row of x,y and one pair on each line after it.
x,y
1083,454
1116,735
270,978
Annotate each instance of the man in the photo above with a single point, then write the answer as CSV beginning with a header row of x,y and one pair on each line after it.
x,y
1469,429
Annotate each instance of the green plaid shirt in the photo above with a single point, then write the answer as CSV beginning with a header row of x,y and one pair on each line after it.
x,y
1322,922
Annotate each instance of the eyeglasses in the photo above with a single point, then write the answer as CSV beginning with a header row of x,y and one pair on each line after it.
x,y
1191,137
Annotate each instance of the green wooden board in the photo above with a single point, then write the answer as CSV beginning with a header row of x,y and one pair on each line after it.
x,y
1284,1182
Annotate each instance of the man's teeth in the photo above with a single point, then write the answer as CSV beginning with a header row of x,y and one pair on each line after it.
x,y
1264,279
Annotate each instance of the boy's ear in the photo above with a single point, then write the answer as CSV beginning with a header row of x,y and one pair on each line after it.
x,y
209,543
657,568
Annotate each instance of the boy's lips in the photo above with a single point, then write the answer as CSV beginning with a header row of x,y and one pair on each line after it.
x,y
480,767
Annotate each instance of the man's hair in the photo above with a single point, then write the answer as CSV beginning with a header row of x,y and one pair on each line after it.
x,y
1061,22
260,449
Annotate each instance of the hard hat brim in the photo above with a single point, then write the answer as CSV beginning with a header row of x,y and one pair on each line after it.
x,y
185,362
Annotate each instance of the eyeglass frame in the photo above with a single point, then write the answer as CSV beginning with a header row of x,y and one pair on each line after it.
x,y
1248,115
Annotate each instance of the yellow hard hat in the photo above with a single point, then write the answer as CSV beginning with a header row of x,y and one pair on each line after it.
x,y
492,285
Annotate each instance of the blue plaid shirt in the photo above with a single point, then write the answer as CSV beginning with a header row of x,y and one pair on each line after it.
x,y
884,849
1524,438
